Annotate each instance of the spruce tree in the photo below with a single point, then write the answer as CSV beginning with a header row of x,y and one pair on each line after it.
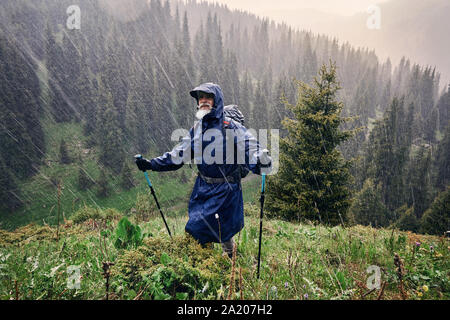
x,y
10,194
103,189
387,152
126,177
64,157
418,188
436,220
84,182
109,133
443,107
312,182
368,207
441,163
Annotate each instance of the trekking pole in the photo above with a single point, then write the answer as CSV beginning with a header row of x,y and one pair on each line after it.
x,y
263,184
138,156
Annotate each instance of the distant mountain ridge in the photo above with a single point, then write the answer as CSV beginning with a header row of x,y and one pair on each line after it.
x,y
415,29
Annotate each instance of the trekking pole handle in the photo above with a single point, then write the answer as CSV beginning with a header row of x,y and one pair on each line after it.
x,y
138,157
263,183
148,180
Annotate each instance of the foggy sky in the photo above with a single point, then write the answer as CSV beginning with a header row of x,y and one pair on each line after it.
x,y
266,7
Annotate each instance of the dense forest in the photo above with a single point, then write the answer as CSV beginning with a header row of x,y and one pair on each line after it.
x,y
125,77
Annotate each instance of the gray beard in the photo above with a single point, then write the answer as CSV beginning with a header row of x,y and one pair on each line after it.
x,y
201,113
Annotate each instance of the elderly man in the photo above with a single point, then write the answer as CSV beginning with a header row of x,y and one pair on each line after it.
x,y
216,210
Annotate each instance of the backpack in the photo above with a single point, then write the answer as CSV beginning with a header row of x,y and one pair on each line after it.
x,y
232,112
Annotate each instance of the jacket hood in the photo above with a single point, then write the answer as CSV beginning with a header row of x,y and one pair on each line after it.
x,y
209,87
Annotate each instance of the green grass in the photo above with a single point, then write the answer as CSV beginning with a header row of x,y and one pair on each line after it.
x,y
299,261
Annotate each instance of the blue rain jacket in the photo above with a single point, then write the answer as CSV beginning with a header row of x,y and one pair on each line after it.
x,y
207,200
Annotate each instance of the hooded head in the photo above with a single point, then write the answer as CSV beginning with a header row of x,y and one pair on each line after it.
x,y
214,89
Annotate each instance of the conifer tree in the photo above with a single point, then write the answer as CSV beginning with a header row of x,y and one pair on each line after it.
x,y
84,181
441,162
368,207
436,220
109,133
246,96
9,192
406,219
443,107
126,177
418,187
64,157
312,182
103,189
387,152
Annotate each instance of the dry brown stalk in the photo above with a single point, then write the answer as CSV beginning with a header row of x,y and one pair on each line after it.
x,y
17,289
106,274
241,289
380,294
400,272
368,292
59,209
233,267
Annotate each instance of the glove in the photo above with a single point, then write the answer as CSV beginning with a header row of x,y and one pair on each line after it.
x,y
264,161
264,166
143,164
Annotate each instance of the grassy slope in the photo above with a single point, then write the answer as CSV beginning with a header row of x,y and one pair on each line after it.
x,y
299,261
40,194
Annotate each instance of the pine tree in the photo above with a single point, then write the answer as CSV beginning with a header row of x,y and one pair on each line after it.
x,y
22,139
109,133
87,100
126,177
84,181
443,107
407,220
368,208
418,186
246,97
10,194
260,108
441,163
387,152
312,182
278,110
103,189
436,220
60,107
64,157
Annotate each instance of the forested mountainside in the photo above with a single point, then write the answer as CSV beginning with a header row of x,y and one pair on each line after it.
x,y
124,77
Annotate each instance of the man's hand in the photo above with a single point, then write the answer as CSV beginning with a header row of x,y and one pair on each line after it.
x,y
264,160
264,163
142,163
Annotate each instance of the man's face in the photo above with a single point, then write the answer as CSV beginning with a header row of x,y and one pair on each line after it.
x,y
205,100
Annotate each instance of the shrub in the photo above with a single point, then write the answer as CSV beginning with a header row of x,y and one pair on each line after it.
x,y
144,207
436,220
170,269
407,220
89,213
85,213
